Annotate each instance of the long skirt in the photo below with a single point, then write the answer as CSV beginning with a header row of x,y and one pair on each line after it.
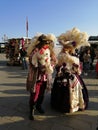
x,y
69,95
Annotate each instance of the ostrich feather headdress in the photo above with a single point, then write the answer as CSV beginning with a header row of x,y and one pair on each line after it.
x,y
74,38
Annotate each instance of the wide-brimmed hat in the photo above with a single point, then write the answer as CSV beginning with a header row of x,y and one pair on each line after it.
x,y
40,38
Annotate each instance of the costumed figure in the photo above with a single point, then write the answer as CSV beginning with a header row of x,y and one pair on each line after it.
x,y
69,93
42,61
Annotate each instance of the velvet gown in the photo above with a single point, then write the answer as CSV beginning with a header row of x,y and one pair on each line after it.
x,y
69,93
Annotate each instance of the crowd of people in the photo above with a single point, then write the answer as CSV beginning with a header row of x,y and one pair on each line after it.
x,y
68,90
59,73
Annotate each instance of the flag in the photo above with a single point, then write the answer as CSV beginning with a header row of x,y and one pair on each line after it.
x,y
26,27
26,24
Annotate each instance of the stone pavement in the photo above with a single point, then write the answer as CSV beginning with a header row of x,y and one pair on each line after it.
x,y
14,108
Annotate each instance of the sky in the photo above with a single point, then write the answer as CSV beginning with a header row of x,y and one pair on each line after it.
x,y
47,16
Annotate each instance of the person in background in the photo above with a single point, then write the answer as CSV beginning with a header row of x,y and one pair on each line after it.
x,y
97,69
96,66
42,61
23,54
93,55
86,61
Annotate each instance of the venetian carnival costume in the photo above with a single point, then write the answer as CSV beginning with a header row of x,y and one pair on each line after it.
x,y
69,93
42,61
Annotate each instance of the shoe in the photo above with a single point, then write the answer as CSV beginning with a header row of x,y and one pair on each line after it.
x,y
31,117
40,110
